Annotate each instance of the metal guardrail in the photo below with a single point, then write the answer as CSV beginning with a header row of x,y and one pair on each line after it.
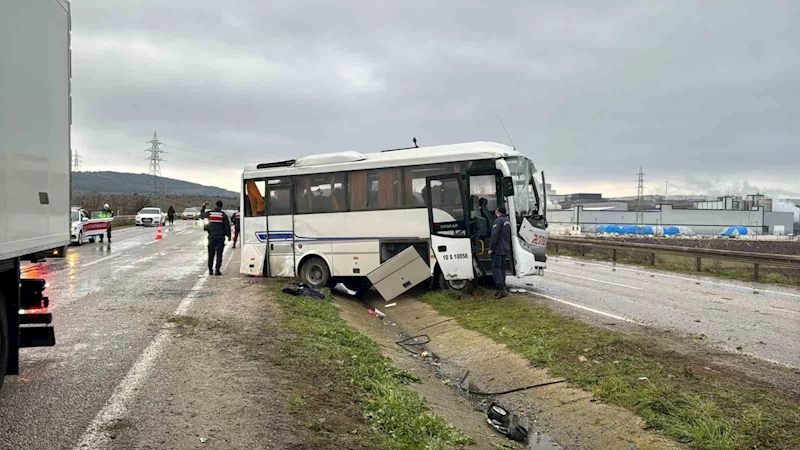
x,y
124,220
757,259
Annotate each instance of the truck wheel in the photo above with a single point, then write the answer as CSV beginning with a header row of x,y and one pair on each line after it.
x,y
3,340
463,286
315,273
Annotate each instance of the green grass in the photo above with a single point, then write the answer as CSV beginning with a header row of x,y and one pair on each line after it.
x,y
722,269
398,415
688,407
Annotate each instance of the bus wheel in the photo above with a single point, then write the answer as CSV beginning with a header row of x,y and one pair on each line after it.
x,y
3,340
315,273
464,286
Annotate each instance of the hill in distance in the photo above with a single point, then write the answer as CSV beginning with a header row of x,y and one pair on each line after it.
x,y
123,183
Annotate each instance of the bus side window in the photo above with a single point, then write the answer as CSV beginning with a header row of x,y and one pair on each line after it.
x,y
254,205
320,193
280,201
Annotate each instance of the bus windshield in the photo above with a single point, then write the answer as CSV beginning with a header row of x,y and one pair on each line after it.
x,y
526,198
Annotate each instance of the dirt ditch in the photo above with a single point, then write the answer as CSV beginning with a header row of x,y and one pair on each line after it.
x,y
557,416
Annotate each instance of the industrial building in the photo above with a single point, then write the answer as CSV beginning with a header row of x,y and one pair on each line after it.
x,y
708,218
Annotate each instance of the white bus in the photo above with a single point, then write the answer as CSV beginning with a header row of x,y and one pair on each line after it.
x,y
343,214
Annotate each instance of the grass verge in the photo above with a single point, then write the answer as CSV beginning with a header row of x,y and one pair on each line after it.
x,y
633,372
398,415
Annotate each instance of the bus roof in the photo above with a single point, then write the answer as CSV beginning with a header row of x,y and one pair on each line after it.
x,y
349,160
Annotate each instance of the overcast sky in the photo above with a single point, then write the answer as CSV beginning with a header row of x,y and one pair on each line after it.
x,y
705,94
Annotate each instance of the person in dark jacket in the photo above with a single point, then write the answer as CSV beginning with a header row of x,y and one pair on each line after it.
x,y
219,227
500,248
171,215
237,223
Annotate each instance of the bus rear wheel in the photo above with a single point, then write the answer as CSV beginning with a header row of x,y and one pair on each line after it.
x,y
463,286
3,340
315,273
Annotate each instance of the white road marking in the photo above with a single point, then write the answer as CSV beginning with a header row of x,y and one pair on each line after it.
x,y
230,257
694,280
96,435
99,260
596,311
596,280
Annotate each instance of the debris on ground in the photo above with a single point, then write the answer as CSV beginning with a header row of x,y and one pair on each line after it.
x,y
582,358
506,423
344,289
377,313
390,305
300,290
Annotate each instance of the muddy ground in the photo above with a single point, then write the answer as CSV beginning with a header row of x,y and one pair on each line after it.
x,y
224,383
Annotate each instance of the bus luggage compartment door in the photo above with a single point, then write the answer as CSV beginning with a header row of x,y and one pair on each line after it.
x,y
447,214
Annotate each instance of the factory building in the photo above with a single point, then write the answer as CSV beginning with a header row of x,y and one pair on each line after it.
x,y
708,218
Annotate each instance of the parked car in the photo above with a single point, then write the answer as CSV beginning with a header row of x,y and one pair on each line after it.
x,y
190,214
150,217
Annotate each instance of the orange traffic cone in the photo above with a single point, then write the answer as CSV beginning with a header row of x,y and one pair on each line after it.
x,y
159,236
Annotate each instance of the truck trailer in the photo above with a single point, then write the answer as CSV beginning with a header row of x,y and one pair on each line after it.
x,y
35,176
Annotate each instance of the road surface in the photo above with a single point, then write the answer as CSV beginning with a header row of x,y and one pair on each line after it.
x,y
109,303
761,320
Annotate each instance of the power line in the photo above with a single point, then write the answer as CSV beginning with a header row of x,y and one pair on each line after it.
x,y
155,165
76,161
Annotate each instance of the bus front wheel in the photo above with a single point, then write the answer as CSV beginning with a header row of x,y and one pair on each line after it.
x,y
315,273
464,286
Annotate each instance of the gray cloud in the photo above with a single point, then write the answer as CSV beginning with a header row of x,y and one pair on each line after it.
x,y
694,90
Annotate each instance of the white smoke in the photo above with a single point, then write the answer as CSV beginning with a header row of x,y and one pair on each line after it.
x,y
781,205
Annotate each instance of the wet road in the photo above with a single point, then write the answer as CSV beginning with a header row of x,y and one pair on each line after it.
x,y
109,302
761,320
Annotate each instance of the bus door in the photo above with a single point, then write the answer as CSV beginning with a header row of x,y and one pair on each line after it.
x,y
449,226
482,202
254,228
280,261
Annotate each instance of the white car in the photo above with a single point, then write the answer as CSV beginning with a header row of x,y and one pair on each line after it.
x,y
150,217
85,227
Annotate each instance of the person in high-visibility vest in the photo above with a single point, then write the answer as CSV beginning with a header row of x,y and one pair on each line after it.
x,y
106,213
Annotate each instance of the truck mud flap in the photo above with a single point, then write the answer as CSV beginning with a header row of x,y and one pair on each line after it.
x,y
37,336
35,319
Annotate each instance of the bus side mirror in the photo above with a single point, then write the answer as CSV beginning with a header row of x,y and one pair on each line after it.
x,y
508,186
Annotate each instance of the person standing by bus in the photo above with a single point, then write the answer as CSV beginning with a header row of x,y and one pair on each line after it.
x,y
219,227
500,248
171,215
237,222
106,213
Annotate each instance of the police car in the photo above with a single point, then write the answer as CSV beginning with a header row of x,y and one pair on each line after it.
x,y
85,227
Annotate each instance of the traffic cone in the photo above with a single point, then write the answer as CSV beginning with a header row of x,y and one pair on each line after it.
x,y
159,236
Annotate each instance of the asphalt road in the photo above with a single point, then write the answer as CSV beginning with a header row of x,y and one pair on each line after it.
x,y
110,302
761,320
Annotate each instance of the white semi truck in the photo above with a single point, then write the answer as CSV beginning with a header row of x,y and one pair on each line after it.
x,y
35,120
